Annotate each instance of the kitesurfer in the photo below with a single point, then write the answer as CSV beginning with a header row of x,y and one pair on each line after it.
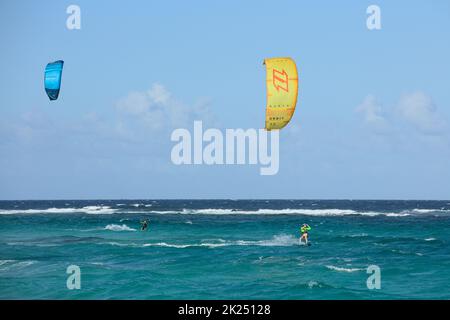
x,y
144,225
304,231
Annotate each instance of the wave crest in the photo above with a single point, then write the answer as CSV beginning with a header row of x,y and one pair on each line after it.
x,y
86,209
116,227
277,241
341,269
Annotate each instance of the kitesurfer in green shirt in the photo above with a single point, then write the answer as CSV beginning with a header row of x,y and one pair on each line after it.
x,y
304,231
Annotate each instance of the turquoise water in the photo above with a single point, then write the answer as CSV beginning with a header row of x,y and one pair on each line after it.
x,y
224,249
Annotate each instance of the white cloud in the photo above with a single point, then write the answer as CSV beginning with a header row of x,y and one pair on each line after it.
x,y
416,110
159,94
158,109
135,103
419,110
373,115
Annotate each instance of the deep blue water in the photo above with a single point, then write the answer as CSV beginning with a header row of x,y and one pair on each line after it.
x,y
224,249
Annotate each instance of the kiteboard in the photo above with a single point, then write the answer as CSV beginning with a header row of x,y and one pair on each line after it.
x,y
302,243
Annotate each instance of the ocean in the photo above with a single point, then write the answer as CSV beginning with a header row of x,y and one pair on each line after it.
x,y
224,249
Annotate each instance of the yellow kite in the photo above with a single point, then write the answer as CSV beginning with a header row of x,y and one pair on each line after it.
x,y
282,91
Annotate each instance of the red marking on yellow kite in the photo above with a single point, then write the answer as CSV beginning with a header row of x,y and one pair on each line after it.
x,y
280,80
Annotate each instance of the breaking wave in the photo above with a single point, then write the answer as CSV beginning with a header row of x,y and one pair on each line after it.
x,y
101,209
309,212
116,227
7,265
341,269
276,241
87,210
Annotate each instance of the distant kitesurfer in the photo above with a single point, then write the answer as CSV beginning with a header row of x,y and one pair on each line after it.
x,y
144,225
304,230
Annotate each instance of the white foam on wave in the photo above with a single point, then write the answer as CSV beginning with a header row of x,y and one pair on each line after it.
x,y
87,210
31,211
6,265
101,209
116,227
442,210
312,284
310,212
182,246
430,239
358,235
98,210
164,244
341,269
2,262
276,241
120,244
424,210
397,214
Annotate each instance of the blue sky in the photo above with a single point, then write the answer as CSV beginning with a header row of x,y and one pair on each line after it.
x,y
372,121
